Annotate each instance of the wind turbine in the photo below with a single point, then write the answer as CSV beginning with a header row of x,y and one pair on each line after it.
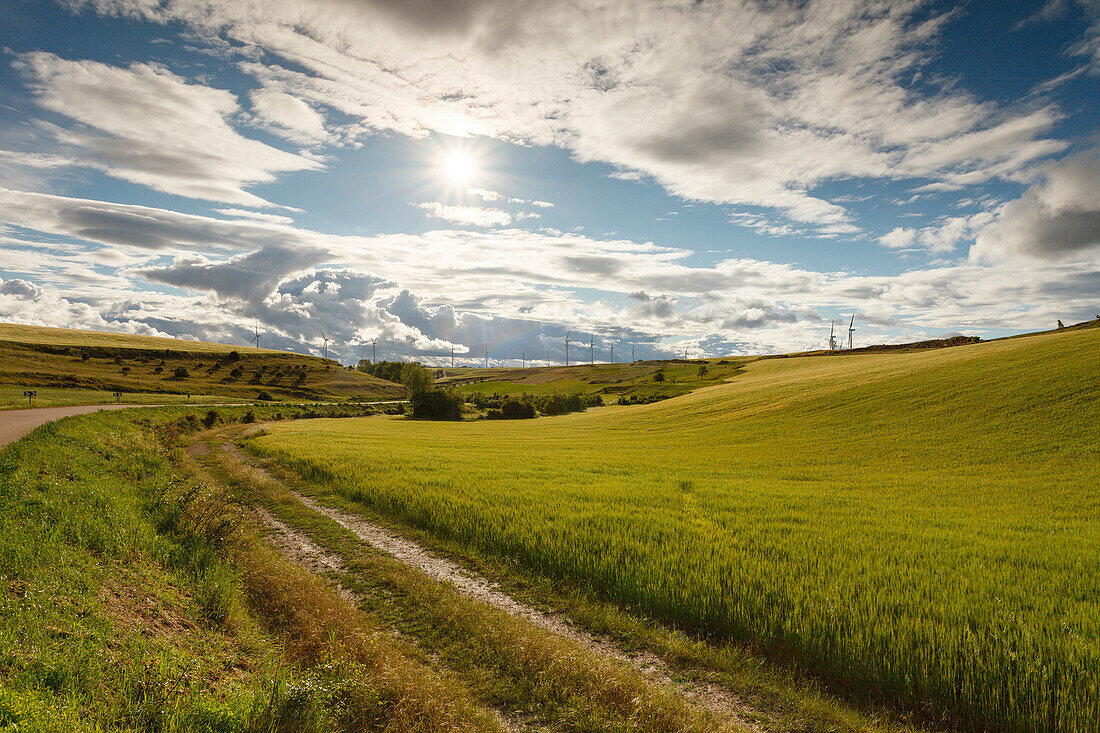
x,y
256,337
832,336
524,358
323,336
374,351
592,350
613,353
851,330
567,348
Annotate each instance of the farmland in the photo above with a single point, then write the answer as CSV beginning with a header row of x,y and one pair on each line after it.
x,y
635,379
68,367
912,528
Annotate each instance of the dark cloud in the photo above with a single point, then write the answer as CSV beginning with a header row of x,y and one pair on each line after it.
x,y
1058,217
249,277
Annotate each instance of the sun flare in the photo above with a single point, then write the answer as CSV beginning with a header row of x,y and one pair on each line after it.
x,y
458,167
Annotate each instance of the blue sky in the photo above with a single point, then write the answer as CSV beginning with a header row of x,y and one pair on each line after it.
x,y
714,178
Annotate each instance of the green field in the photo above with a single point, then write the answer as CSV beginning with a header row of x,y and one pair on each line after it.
x,y
87,367
629,379
914,528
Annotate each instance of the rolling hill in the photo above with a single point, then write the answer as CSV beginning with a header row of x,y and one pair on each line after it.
x,y
67,366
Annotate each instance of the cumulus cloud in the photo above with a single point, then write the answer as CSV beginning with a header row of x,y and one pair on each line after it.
x,y
1057,217
942,237
246,277
156,129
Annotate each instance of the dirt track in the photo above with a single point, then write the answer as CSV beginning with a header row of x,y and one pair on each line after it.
x,y
14,424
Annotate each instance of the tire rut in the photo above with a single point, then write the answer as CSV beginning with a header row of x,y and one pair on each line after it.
x,y
715,698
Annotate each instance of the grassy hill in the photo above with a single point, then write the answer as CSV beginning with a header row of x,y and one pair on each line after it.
x,y
917,528
639,378
67,366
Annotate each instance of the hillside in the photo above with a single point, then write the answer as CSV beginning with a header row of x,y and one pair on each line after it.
x,y
632,379
67,366
917,528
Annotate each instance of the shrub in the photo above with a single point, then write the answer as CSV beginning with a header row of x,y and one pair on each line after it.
x,y
158,370
236,373
181,373
233,356
437,404
702,370
265,395
211,419
249,417
513,409
125,370
85,356
659,377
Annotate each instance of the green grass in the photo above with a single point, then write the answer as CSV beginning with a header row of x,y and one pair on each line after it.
x,y
918,529
88,367
635,378
133,596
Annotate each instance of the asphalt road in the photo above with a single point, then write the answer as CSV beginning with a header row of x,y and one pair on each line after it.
x,y
14,424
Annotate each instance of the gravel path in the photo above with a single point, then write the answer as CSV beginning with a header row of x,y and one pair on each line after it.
x,y
717,699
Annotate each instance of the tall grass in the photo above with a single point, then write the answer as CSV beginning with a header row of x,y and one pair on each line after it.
x,y
919,529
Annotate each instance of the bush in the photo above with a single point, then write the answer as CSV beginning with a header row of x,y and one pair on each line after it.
x,y
181,373
211,419
513,409
85,356
236,373
249,417
702,370
659,377
158,370
265,395
437,404
233,356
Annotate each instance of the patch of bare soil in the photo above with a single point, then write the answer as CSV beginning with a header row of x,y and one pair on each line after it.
x,y
716,698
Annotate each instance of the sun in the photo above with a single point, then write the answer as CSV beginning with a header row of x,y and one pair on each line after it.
x,y
458,168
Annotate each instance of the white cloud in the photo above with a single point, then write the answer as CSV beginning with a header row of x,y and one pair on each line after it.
x,y
476,215
289,116
747,104
156,129
1058,217
257,215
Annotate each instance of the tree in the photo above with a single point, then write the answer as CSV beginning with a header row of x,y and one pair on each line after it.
x,y
436,404
416,377
659,377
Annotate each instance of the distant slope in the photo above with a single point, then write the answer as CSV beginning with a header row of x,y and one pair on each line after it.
x,y
638,378
73,366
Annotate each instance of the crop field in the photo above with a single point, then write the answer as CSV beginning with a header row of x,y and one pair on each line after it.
x,y
918,529
629,379
86,367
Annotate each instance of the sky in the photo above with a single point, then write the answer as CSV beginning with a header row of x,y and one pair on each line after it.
x,y
655,177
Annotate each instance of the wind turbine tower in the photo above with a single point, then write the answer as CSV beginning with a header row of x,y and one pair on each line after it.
x,y
256,336
325,347
832,335
591,350
851,330
567,348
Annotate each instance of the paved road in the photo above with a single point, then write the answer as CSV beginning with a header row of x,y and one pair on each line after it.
x,y
14,424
